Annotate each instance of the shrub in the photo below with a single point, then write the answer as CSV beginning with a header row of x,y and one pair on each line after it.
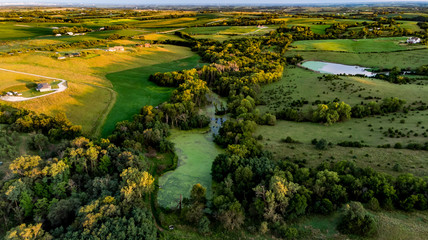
x,y
356,220
289,140
321,144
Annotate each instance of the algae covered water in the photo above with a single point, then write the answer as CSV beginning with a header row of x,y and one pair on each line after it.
x,y
196,151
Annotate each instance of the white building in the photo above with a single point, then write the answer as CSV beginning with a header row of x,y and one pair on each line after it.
x,y
413,40
43,87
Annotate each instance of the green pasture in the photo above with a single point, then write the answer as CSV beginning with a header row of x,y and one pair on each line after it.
x,y
314,23
391,225
356,45
380,159
410,25
402,59
134,90
16,31
206,30
298,83
367,130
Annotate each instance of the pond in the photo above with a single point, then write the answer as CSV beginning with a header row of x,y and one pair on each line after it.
x,y
196,151
336,68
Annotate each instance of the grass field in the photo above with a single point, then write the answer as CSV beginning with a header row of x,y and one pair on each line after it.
x,y
196,152
391,225
357,45
90,96
135,90
298,83
403,59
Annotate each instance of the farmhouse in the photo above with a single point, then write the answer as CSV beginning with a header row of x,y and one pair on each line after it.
x,y
413,40
117,48
147,45
43,87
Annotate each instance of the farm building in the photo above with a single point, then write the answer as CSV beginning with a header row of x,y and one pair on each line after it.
x,y
413,40
70,33
61,58
116,49
58,35
143,45
43,87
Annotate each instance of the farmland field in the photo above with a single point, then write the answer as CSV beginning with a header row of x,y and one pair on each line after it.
x,y
357,45
86,80
135,90
403,59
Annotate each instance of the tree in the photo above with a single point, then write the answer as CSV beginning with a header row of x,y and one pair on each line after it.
x,y
135,183
356,220
197,194
232,216
204,225
30,232
27,166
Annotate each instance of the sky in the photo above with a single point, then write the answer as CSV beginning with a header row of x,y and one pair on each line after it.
x,y
198,2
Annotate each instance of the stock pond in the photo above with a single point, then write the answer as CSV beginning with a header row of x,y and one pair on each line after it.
x,y
336,68
196,151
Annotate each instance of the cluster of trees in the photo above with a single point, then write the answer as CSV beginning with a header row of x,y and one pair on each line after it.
x,y
336,111
395,76
248,21
388,105
332,112
341,30
89,190
55,47
74,29
277,191
58,127
9,145
116,27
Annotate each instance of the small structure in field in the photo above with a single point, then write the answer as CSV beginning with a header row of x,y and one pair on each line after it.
x,y
43,87
58,35
413,40
61,58
70,33
116,49
147,45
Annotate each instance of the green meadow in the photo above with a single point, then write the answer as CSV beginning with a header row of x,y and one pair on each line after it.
x,y
298,83
356,45
402,59
134,90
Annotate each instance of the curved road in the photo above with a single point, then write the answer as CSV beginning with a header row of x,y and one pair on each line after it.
x,y
61,87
